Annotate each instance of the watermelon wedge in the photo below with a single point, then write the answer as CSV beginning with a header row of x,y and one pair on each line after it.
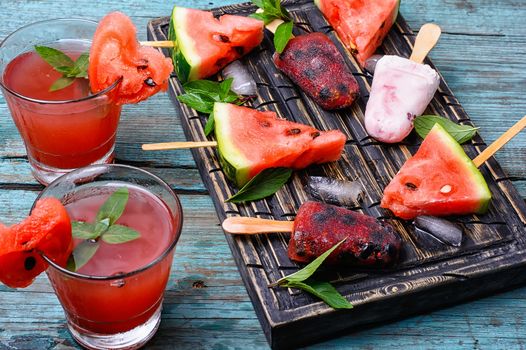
x,y
361,25
204,44
115,53
250,141
440,179
46,231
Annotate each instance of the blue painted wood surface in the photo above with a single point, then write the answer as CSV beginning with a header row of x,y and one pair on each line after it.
x,y
482,56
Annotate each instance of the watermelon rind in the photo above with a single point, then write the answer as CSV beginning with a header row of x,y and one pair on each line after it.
x,y
484,194
235,165
184,55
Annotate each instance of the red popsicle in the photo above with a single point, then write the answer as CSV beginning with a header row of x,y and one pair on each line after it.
x,y
313,62
319,226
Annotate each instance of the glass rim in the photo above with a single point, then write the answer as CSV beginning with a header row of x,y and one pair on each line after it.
x,y
54,102
177,227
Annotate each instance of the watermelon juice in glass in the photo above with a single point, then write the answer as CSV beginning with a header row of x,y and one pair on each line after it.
x,y
62,129
112,289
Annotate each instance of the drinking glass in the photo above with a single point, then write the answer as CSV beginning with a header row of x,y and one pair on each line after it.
x,y
59,134
120,309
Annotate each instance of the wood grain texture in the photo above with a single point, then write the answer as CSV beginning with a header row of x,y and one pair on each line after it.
x,y
481,56
290,319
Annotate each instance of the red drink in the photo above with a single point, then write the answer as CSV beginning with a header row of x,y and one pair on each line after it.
x,y
127,302
118,293
64,129
64,136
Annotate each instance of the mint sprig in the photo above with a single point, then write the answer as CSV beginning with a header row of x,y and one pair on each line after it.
x,y
323,290
461,133
272,10
104,228
63,64
202,94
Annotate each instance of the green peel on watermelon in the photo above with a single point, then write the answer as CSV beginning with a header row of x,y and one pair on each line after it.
x,y
361,25
440,179
204,45
250,141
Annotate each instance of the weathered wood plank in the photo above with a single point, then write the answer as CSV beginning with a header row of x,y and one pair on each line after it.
x,y
491,100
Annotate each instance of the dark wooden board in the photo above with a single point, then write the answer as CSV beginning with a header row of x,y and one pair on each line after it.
x,y
492,256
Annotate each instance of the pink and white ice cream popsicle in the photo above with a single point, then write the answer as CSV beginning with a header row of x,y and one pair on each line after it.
x,y
401,90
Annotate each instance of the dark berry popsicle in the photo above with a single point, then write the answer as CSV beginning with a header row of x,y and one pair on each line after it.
x,y
313,62
319,226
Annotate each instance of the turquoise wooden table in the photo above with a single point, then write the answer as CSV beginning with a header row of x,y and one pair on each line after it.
x,y
481,55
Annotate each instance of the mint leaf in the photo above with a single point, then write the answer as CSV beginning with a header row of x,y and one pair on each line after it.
x,y
80,68
200,103
101,227
120,234
264,184
83,230
114,206
282,36
272,9
323,290
55,58
210,124
61,83
224,87
82,254
104,228
461,133
63,64
263,17
309,270
202,94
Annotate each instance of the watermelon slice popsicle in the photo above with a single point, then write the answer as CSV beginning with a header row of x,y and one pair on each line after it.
x,y
440,179
401,90
319,226
250,141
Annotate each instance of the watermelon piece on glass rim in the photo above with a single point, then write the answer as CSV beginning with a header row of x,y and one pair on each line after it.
x,y
116,54
46,231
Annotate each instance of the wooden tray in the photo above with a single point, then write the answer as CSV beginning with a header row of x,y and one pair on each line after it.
x,y
492,256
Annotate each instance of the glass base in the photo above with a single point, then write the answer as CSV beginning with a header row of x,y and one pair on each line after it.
x,y
132,339
46,174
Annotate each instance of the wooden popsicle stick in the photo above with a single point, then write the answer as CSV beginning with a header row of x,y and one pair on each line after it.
x,y
177,145
160,43
425,40
252,226
501,141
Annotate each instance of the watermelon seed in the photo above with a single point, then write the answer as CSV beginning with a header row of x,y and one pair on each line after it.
x,y
149,81
265,124
314,134
446,189
142,67
30,263
222,38
294,131
411,186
